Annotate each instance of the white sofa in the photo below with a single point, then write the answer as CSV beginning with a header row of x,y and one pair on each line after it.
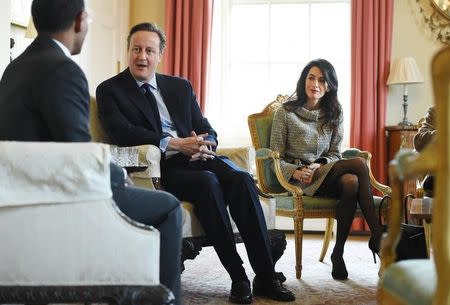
x,y
63,239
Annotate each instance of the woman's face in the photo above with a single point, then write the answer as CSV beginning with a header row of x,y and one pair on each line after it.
x,y
315,85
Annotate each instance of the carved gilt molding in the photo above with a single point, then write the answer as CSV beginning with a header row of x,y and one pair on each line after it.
x,y
436,18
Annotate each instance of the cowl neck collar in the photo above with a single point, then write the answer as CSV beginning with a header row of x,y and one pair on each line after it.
x,y
311,115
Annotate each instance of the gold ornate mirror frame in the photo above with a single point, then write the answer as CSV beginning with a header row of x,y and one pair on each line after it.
x,y
443,6
436,14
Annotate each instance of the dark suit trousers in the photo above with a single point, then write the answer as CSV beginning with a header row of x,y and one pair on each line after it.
x,y
163,211
212,186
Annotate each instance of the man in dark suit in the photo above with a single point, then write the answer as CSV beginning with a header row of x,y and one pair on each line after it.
x,y
44,97
139,106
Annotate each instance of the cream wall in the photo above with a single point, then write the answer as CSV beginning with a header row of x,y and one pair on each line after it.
x,y
5,9
148,11
411,37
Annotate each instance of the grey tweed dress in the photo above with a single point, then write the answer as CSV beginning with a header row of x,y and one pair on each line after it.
x,y
299,139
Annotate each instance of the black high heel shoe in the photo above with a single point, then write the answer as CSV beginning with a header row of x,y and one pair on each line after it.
x,y
339,271
374,246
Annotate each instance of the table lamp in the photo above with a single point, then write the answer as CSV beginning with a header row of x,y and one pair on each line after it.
x,y
404,71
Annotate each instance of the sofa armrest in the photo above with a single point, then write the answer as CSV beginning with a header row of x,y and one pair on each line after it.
x,y
243,156
76,243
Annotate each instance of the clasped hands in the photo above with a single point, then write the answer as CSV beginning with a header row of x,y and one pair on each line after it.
x,y
306,173
196,147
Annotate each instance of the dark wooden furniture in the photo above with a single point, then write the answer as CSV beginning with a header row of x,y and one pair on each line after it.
x,y
398,137
120,295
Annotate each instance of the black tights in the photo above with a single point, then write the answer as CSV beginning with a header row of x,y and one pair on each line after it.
x,y
349,181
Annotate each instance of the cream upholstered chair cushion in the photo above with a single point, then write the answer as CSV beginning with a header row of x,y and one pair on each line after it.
x,y
414,280
59,226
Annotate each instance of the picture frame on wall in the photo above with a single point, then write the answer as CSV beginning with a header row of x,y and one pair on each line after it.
x,y
20,12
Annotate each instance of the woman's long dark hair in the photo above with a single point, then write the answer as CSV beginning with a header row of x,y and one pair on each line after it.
x,y
329,102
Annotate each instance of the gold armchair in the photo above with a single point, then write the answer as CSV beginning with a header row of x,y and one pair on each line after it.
x,y
297,205
422,281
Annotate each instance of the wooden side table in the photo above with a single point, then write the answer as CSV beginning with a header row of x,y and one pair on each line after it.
x,y
398,137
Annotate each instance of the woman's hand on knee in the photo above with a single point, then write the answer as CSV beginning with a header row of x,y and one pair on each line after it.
x,y
314,166
304,175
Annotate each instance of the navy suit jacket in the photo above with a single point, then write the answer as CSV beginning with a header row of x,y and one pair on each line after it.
x,y
128,119
44,96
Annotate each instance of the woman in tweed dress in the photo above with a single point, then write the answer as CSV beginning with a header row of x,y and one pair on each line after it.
x,y
307,131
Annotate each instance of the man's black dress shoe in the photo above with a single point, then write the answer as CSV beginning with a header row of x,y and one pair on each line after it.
x,y
272,289
280,276
240,292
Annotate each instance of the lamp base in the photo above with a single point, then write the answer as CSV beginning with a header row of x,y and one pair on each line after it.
x,y
405,123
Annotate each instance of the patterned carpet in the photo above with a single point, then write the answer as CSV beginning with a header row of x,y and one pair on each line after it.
x,y
205,281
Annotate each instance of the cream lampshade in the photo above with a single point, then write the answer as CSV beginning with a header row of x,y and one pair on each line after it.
x,y
404,71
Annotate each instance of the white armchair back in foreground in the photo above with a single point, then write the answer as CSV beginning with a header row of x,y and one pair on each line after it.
x,y
63,239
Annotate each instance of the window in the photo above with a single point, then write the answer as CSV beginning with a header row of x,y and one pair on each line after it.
x,y
259,48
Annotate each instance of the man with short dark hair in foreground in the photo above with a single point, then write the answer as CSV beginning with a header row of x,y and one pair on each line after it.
x,y
44,97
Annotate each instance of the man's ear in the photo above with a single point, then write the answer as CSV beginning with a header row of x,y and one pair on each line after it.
x,y
160,56
78,22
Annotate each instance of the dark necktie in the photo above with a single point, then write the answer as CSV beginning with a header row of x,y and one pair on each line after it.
x,y
152,101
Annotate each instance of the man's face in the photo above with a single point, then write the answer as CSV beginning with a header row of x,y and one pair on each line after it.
x,y
143,55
